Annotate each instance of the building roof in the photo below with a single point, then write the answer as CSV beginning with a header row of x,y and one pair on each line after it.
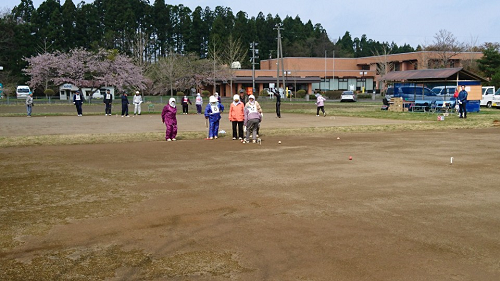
x,y
432,75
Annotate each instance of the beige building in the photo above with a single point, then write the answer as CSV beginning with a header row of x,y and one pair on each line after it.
x,y
330,73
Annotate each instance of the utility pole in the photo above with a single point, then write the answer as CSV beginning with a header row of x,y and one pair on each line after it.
x,y
255,55
279,53
215,85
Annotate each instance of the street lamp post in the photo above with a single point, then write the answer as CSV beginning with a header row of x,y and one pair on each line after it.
x,y
363,73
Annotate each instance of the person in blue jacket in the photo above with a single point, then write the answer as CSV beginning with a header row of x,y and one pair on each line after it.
x,y
462,102
78,100
212,114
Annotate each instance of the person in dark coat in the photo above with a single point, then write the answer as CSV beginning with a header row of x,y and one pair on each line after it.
x,y
185,104
78,100
108,100
462,102
125,105
278,103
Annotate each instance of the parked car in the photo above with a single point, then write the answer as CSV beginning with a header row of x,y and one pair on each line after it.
x,y
496,99
487,96
412,93
348,96
97,95
22,91
447,91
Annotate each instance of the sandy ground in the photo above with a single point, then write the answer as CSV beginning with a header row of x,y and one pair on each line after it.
x,y
68,125
222,210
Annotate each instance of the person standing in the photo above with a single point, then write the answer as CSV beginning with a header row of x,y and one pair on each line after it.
x,y
78,101
320,104
199,103
108,101
462,102
137,101
212,114
278,103
237,117
253,115
169,118
29,104
125,104
185,101
252,101
219,100
457,106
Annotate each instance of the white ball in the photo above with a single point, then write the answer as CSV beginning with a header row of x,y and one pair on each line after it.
x,y
279,142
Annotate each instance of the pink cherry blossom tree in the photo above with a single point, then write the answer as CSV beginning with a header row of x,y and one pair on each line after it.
x,y
84,68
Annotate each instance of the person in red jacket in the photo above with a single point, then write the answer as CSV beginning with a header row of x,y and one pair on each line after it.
x,y
237,117
168,116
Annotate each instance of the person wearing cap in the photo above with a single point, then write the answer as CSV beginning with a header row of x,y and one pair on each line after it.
x,y
237,117
78,101
137,101
169,118
185,104
199,103
212,113
29,104
108,101
125,104
253,116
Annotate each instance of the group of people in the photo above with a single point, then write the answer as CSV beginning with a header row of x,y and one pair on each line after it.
x,y
244,117
79,99
137,101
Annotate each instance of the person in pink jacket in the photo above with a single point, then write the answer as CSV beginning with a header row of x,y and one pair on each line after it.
x,y
168,116
237,116
320,103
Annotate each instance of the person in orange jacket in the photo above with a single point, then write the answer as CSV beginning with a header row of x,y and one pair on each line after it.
x,y
237,116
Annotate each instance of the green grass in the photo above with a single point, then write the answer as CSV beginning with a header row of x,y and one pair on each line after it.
x,y
487,117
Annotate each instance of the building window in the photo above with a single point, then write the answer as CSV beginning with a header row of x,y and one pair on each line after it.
x,y
343,83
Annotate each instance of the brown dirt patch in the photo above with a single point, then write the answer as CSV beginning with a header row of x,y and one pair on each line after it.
x,y
222,210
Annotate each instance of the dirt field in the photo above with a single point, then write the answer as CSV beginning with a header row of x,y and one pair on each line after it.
x,y
222,210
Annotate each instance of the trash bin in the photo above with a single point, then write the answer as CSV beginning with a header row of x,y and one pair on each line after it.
x,y
473,106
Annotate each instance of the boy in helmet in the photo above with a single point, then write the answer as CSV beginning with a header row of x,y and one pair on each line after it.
x,y
212,113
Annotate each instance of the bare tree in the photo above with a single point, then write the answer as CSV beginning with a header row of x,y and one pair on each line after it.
x,y
384,65
235,52
446,46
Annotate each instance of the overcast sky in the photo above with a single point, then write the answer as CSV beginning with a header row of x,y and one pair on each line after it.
x,y
411,22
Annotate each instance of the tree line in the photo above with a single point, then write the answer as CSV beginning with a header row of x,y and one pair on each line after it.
x,y
149,33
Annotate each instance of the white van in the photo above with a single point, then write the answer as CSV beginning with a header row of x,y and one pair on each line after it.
x,y
22,91
488,94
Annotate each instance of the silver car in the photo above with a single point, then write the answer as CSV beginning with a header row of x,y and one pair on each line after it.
x,y
348,96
